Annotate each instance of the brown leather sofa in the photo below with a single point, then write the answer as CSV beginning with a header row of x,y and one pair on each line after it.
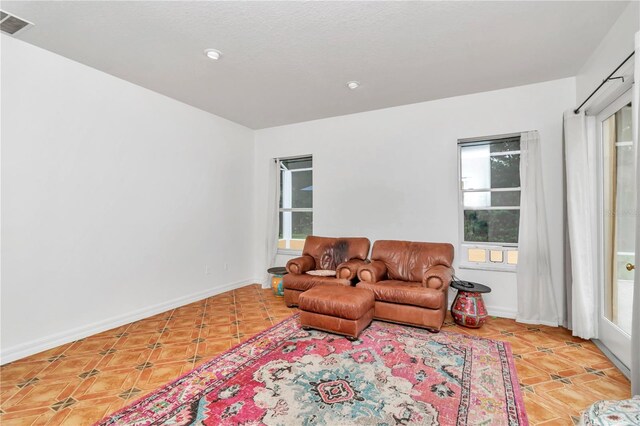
x,y
410,282
343,255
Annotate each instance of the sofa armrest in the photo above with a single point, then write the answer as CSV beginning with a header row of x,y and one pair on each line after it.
x,y
300,265
349,269
372,272
438,277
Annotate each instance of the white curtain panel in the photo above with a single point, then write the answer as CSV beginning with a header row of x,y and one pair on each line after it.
x,y
536,297
580,164
271,236
635,324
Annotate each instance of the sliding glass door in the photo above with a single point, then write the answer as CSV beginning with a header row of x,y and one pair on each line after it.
x,y
618,201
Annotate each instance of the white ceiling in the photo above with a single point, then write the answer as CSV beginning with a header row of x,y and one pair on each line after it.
x,y
286,62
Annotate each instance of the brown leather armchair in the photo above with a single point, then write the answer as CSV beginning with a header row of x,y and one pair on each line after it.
x,y
343,255
410,281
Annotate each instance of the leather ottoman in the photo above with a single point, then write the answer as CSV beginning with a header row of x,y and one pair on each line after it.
x,y
337,309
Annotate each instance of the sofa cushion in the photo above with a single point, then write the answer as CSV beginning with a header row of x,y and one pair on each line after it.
x,y
408,260
329,252
406,293
305,282
342,302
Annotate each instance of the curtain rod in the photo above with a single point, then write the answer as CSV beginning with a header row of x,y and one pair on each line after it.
x,y
609,78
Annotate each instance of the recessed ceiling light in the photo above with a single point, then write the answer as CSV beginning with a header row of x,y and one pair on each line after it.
x,y
213,54
353,84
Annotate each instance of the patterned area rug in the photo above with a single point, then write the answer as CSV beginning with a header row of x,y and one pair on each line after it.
x,y
394,375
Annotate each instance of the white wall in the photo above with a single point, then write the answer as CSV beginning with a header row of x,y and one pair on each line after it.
x,y
114,198
392,173
612,50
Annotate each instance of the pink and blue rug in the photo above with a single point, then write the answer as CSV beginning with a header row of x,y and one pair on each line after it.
x,y
394,375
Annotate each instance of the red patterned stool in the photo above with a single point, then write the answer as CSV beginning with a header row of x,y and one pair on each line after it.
x,y
468,307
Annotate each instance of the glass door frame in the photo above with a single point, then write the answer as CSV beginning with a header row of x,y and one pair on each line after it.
x,y
613,337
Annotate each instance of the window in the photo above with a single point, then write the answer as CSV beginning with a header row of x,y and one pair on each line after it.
x,y
296,202
490,202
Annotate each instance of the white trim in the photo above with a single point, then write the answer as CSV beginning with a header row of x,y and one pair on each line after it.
x,y
296,209
497,311
490,189
289,252
497,154
503,266
491,208
489,244
488,266
38,345
539,322
287,209
484,139
300,170
286,196
608,333
294,157
613,358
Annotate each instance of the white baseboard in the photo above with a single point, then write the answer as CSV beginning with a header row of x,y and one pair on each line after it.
x,y
496,311
22,350
538,322
502,312
614,359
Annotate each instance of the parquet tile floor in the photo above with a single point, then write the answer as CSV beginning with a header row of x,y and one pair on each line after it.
x,y
83,381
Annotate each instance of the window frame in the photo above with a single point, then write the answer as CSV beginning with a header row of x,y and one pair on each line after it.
x,y
488,246
279,160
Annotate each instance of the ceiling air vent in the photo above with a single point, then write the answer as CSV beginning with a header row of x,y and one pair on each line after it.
x,y
11,24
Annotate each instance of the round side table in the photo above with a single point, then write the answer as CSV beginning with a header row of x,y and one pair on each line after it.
x,y
468,308
276,281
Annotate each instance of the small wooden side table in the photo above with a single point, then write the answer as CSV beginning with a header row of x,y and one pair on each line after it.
x,y
468,309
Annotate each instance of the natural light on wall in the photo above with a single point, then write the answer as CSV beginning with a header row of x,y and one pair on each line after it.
x,y
296,202
490,202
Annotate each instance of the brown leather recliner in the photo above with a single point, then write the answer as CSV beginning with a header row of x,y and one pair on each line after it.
x,y
410,281
343,255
